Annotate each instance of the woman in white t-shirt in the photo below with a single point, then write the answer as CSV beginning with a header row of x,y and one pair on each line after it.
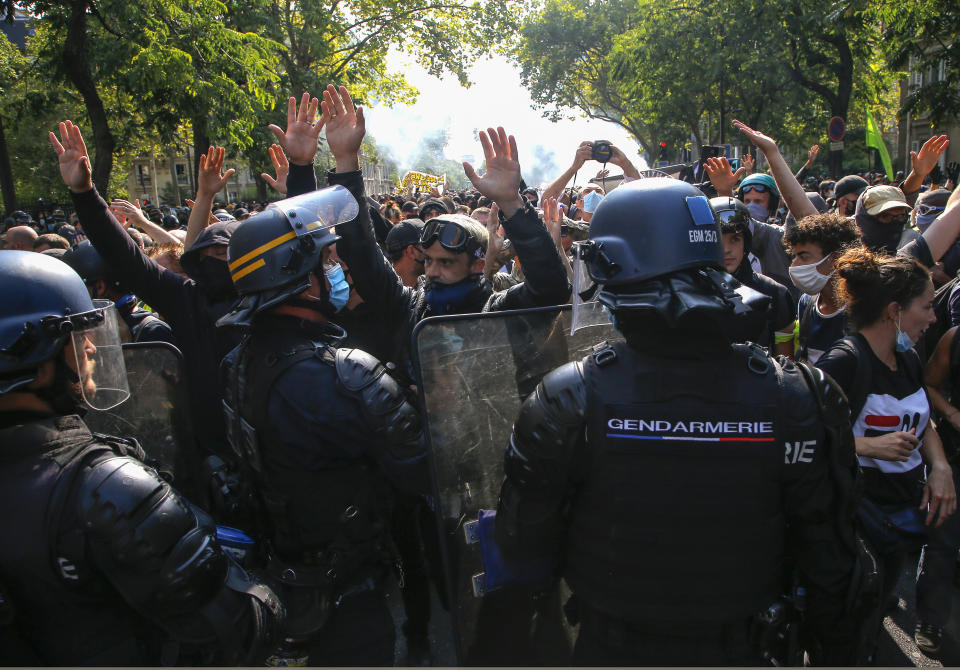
x,y
889,304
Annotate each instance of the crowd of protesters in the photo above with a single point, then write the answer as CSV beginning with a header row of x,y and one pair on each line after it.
x,y
860,272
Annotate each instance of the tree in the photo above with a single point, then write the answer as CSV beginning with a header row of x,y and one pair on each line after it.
x,y
12,66
924,36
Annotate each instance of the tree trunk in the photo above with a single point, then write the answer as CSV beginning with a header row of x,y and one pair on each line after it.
x,y
172,162
261,185
7,186
201,142
76,64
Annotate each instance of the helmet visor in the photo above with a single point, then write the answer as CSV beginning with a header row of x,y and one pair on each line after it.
x,y
99,357
325,208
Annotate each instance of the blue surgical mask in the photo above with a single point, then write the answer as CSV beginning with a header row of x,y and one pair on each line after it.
x,y
924,220
590,201
339,288
758,212
904,343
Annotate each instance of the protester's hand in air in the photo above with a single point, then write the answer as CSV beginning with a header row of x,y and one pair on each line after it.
x,y
303,129
620,159
495,239
210,218
281,166
812,154
72,155
722,176
128,213
747,162
211,178
895,446
346,127
763,142
924,161
553,219
583,154
940,493
501,181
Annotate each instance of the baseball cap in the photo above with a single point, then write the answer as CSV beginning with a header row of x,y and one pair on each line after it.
x,y
404,234
879,199
850,184
409,206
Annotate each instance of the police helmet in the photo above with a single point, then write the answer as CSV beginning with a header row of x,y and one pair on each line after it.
x,y
272,254
21,218
46,304
87,262
651,227
170,222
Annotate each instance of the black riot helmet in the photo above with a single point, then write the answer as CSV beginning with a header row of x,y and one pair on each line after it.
x,y
87,262
655,247
46,304
272,254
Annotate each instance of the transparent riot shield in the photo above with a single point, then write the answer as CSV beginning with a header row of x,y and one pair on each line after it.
x,y
155,413
475,371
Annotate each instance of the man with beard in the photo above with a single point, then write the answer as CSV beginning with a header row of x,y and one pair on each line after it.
x,y
453,245
191,305
111,566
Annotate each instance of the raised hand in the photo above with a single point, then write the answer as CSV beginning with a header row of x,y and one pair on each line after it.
x,y
495,238
73,157
281,166
303,129
553,219
501,181
620,159
210,177
762,142
812,154
346,127
722,176
747,161
924,161
128,213
583,154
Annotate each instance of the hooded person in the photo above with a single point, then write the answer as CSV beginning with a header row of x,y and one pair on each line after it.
x,y
191,305
845,193
882,214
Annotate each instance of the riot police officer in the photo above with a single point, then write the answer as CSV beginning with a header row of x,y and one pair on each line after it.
x,y
104,563
318,428
674,474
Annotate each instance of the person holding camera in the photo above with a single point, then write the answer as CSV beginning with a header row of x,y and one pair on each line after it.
x,y
600,151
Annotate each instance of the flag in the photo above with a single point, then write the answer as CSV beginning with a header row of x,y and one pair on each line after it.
x,y
875,140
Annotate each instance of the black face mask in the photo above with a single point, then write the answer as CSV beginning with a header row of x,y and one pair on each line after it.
x,y
213,277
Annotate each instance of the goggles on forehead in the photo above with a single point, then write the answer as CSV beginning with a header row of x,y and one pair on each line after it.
x,y
759,188
451,236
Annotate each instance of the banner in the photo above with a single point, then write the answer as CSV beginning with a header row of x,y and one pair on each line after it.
x,y
421,179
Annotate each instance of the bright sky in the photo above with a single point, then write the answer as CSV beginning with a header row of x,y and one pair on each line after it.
x,y
495,98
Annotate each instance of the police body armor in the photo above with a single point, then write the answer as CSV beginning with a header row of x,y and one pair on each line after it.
x,y
648,420
323,529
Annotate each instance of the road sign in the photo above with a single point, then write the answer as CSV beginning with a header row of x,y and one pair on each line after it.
x,y
836,146
836,129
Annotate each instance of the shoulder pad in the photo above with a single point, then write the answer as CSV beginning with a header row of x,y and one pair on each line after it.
x,y
132,508
546,431
564,390
357,369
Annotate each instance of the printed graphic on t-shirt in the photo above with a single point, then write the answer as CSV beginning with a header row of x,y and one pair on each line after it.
x,y
884,414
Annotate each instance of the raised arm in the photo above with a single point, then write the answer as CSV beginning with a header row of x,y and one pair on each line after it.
x,y
299,141
210,181
790,189
923,162
159,287
584,152
129,214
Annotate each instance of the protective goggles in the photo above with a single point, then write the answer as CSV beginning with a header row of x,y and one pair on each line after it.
x,y
759,188
923,210
451,237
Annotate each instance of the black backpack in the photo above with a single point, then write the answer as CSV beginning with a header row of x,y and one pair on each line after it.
x,y
941,308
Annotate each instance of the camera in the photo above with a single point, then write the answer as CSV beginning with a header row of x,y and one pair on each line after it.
x,y
602,151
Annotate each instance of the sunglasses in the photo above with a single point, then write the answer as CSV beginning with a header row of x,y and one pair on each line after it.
x,y
450,235
923,210
759,188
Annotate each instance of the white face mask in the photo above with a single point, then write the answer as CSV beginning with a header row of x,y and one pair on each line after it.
x,y
807,278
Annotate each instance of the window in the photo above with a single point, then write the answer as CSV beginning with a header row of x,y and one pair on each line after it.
x,y
143,175
181,174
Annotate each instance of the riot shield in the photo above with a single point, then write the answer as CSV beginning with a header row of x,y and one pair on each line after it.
x,y
475,371
154,414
